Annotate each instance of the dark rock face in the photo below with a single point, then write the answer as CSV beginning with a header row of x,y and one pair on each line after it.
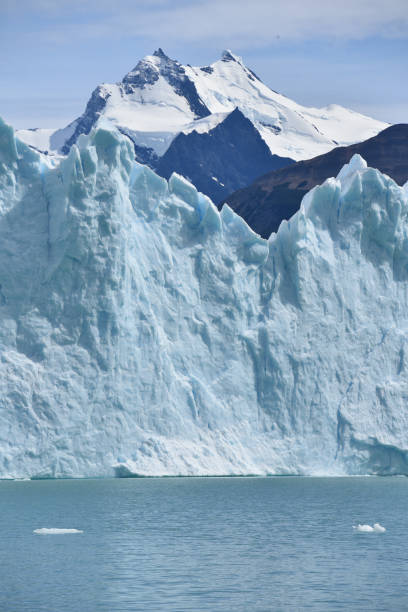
x,y
227,56
207,69
143,155
175,75
96,104
227,157
278,194
142,74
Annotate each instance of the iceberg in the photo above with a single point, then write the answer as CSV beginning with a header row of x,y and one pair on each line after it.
x,y
377,528
55,531
143,332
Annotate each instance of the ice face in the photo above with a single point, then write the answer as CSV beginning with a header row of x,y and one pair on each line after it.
x,y
144,332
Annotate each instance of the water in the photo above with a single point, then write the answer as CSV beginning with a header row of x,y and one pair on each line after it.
x,y
204,544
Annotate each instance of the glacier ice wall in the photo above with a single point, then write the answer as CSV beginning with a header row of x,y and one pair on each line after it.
x,y
144,332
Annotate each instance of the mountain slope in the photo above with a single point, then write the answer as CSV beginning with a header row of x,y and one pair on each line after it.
x,y
202,157
142,331
277,195
289,129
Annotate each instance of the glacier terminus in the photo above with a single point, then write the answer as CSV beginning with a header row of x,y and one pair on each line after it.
x,y
143,332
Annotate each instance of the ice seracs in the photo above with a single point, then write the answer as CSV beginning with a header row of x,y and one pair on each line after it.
x,y
143,332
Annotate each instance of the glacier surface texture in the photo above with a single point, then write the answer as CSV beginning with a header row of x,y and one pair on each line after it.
x,y
144,332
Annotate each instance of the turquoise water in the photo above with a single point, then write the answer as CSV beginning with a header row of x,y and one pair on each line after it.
x,y
204,544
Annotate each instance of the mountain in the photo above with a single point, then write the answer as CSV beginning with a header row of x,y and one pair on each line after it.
x,y
144,332
270,199
160,98
201,158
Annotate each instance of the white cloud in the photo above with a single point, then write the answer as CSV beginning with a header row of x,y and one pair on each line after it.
x,y
261,21
236,23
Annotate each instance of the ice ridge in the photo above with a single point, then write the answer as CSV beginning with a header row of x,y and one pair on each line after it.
x,y
143,332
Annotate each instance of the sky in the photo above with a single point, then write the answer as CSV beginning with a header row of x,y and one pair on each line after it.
x,y
53,53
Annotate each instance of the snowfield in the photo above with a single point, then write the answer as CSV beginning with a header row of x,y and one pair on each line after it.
x,y
143,332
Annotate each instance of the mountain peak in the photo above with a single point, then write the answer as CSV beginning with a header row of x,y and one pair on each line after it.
x,y
149,62
228,56
160,53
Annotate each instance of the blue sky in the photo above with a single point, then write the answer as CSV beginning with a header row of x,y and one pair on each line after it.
x,y
53,53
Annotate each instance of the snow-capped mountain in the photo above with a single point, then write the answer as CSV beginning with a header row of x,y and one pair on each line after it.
x,y
142,331
160,98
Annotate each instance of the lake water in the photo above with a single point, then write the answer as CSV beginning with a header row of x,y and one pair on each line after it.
x,y
204,544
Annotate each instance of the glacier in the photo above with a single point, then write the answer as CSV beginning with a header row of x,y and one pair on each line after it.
x,y
143,332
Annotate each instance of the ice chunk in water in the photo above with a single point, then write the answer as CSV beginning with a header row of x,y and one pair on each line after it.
x,y
377,528
55,531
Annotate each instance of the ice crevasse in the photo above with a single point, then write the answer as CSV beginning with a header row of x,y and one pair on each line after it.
x,y
143,332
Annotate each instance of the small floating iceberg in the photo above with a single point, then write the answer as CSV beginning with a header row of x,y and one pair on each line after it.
x,y
55,531
377,528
